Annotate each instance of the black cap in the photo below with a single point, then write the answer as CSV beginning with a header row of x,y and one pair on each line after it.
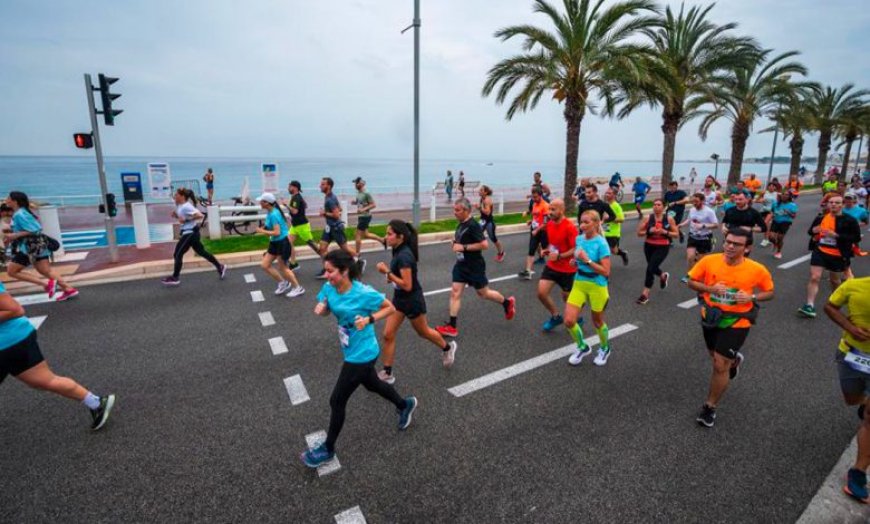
x,y
296,184
357,180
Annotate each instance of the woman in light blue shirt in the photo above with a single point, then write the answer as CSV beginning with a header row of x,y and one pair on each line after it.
x,y
279,250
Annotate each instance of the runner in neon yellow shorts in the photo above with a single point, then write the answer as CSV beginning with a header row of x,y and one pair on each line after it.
x,y
302,232
585,291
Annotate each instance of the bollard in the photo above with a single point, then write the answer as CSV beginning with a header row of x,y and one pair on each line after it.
x,y
51,226
344,212
140,225
433,211
214,222
501,203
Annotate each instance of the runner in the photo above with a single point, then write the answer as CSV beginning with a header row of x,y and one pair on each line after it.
x,y
742,215
487,222
364,204
833,236
613,230
784,212
830,184
561,235
470,268
27,245
407,298
730,286
658,230
279,249
188,216
592,201
676,200
712,197
851,208
543,186
592,257
640,190
334,229
356,307
853,368
208,178
702,222
537,230
21,357
300,227
794,186
767,201
753,185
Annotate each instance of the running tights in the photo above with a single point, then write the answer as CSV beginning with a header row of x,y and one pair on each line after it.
x,y
351,376
655,255
191,240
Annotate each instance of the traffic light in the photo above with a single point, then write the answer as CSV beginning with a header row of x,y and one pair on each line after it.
x,y
113,207
108,113
84,140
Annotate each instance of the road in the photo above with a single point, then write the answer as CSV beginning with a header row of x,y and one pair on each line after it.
x,y
204,428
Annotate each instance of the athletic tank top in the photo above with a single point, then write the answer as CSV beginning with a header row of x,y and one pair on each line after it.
x,y
655,238
485,217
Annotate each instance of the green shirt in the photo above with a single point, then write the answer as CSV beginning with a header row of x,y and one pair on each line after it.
x,y
830,185
363,198
614,229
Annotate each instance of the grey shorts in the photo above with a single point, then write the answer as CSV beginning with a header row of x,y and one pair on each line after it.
x,y
852,382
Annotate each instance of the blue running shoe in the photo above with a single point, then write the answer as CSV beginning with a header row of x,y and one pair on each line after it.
x,y
405,414
315,457
552,322
856,485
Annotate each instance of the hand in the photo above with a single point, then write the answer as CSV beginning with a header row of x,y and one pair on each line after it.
x,y
322,212
360,322
552,255
860,334
321,308
8,238
458,248
829,233
718,288
742,297
382,268
581,255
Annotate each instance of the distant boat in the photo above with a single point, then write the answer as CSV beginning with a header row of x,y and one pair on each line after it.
x,y
489,163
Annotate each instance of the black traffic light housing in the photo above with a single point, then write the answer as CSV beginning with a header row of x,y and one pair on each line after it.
x,y
83,140
113,208
108,113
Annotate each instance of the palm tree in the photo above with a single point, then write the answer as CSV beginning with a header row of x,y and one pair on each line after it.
x,y
828,106
688,50
851,126
745,93
793,118
588,54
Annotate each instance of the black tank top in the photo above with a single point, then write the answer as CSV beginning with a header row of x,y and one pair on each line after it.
x,y
486,217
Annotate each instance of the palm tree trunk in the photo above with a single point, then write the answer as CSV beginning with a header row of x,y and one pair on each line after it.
x,y
739,135
796,145
846,155
824,147
670,125
867,166
573,118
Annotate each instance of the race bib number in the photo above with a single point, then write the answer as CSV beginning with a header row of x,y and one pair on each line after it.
x,y
606,227
672,214
326,228
858,361
535,224
828,241
343,336
728,298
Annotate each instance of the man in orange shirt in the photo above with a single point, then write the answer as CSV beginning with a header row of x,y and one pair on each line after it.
x,y
752,184
537,228
559,271
730,286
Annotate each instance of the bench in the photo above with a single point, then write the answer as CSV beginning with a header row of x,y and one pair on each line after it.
x,y
469,184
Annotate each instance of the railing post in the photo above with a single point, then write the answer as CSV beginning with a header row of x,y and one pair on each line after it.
x,y
501,203
51,226
214,222
433,209
344,211
140,225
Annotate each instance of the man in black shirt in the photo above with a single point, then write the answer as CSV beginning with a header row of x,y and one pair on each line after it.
x,y
299,225
470,267
744,216
676,200
591,201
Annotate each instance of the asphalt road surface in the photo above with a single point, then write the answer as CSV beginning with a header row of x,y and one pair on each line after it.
x,y
204,428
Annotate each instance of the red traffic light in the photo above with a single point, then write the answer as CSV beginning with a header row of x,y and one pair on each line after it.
x,y
83,140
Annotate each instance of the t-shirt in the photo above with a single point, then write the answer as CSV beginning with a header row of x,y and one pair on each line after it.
x,y
605,213
826,244
784,212
856,212
186,212
275,217
747,276
330,203
640,188
752,184
596,249
748,217
614,229
23,220
540,211
710,197
298,203
358,346
676,196
363,198
14,330
403,258
830,185
561,236
469,232
768,200
855,295
616,179
697,219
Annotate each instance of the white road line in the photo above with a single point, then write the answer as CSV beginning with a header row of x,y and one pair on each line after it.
x,y
794,262
76,245
312,441
29,300
84,232
447,289
353,515
527,365
296,390
257,296
689,304
250,278
267,319
278,345
37,321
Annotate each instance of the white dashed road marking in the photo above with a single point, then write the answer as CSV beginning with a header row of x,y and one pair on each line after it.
x,y
689,304
257,296
794,262
278,345
296,390
29,300
312,441
447,289
37,321
267,319
353,515
250,278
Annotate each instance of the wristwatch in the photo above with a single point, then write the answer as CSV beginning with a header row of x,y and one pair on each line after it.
x,y
371,319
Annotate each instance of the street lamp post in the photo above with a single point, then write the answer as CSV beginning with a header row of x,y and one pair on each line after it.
x,y
773,149
415,206
715,157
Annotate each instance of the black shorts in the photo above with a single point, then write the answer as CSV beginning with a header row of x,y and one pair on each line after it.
x,y
280,248
564,280
725,341
613,242
701,245
536,241
411,306
780,227
334,234
764,214
829,262
363,223
23,260
474,278
20,357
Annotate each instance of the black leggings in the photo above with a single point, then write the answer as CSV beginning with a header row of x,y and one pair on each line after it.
x,y
191,240
489,227
351,376
655,255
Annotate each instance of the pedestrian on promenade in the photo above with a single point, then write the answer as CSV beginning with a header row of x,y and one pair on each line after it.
x,y
559,271
21,357
27,245
299,226
279,250
208,178
356,307
613,230
188,216
658,231
640,189
462,184
333,231
364,204
448,186
487,221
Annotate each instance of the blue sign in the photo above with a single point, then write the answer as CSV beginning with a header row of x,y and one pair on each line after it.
x,y
132,185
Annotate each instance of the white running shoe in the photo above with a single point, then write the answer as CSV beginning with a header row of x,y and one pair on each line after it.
x,y
449,356
577,357
296,291
765,243
282,288
603,355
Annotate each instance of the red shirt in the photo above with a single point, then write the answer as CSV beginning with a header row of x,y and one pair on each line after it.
x,y
562,236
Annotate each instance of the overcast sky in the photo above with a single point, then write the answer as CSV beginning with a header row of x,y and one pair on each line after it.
x,y
306,78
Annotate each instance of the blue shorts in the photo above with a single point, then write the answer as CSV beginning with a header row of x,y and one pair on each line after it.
x,y
209,186
639,199
853,383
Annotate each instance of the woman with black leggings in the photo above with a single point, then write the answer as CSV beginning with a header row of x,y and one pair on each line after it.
x,y
659,229
187,215
356,307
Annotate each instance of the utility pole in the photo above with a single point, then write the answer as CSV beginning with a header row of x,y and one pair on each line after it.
x,y
415,206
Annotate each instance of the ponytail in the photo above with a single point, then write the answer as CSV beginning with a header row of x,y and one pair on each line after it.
x,y
343,262
408,234
187,194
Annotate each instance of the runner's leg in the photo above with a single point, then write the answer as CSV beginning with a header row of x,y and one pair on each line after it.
x,y
455,301
41,377
391,327
16,271
572,315
544,288
266,264
181,248
490,294
813,284
421,326
719,378
199,249
349,379
44,268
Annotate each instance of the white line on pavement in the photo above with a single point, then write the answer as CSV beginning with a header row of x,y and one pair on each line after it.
x,y
353,515
84,232
250,278
315,439
278,345
76,245
29,300
37,321
447,289
296,390
527,365
689,304
794,262
267,319
257,296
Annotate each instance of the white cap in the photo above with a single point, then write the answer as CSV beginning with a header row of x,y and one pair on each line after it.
x,y
267,197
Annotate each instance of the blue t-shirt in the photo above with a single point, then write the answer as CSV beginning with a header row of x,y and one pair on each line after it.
x,y
23,220
616,179
330,203
15,330
640,188
781,212
361,299
728,205
597,250
276,217
856,212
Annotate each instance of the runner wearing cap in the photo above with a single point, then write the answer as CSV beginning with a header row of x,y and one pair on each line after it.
x,y
299,226
364,204
279,249
333,231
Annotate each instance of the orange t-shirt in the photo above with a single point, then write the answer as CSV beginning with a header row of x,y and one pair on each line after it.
x,y
540,211
746,276
828,245
752,185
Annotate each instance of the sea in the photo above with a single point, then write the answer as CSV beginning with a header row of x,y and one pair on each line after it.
x,y
73,180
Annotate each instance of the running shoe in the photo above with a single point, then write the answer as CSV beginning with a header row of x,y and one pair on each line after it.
x,y
68,294
447,330
735,368
386,377
101,414
764,243
808,311
321,275
282,288
603,355
856,485
500,257
623,254
707,416
293,265
642,300
170,281
315,457
405,414
577,357
525,274
222,271
296,291
449,356
511,308
51,287
777,256
362,265
552,322
663,280
685,279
